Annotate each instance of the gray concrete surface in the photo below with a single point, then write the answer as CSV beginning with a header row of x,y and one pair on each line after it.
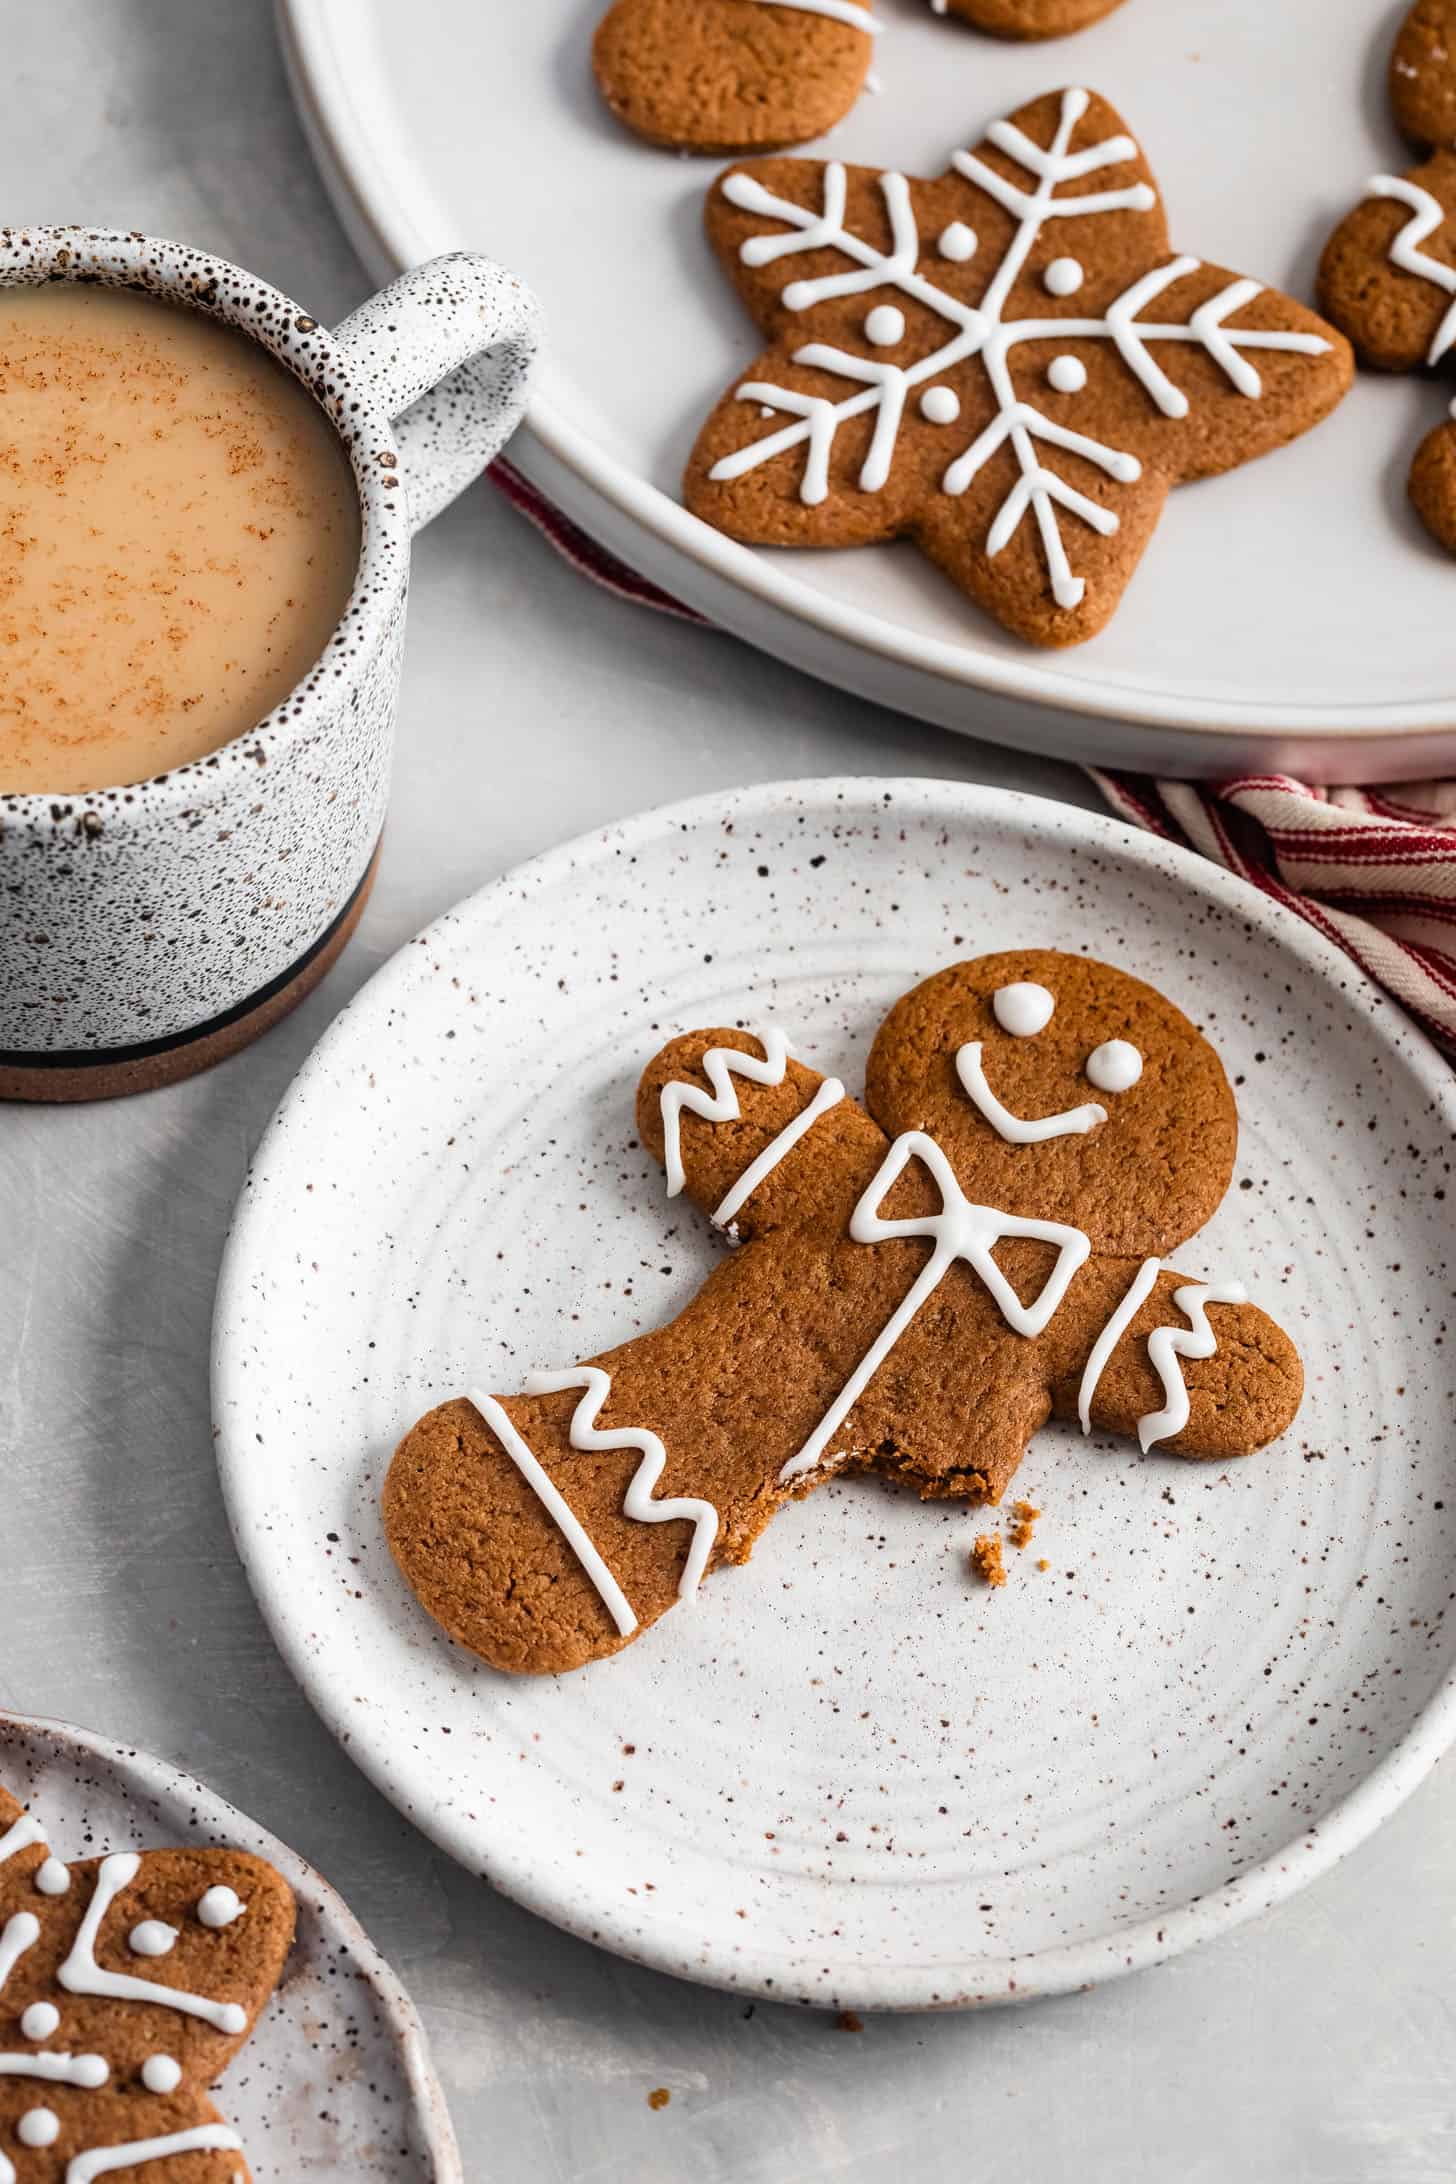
x,y
1317,2047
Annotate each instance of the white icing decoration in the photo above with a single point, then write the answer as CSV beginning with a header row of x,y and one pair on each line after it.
x,y
720,1065
940,405
1016,1129
20,1835
1066,375
205,2138
38,2127
1111,1335
1167,1345
1427,215
839,11
40,2021
81,1974
1023,1008
885,326
161,2073
981,330
219,1906
829,1094
152,1938
86,2071
577,1537
52,1878
1063,277
958,243
22,1932
1115,1066
960,1230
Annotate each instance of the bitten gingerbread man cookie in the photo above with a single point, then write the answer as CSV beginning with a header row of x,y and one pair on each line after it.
x,y
921,1282
1006,365
1388,274
127,1985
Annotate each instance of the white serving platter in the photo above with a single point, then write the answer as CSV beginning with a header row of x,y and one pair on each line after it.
x,y
847,1775
1292,615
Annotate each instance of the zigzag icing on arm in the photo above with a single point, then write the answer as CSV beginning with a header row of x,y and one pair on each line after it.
x,y
204,2139
81,1974
1167,1345
829,1094
1102,1349
719,1065
1427,217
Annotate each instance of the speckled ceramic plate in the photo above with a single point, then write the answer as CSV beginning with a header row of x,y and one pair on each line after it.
x,y
335,2083
849,1775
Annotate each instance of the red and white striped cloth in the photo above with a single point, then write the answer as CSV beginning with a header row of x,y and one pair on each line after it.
x,y
1374,870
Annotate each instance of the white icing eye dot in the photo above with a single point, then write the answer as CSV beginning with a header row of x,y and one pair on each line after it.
x,y
885,325
957,242
1063,277
52,1878
40,2021
1023,1009
1115,1066
38,2127
1068,374
220,1906
153,1938
161,2074
940,405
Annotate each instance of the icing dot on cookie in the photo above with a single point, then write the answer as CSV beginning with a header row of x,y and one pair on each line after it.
x,y
885,325
1068,374
1063,277
1115,1066
161,2074
38,2127
940,405
957,242
153,1938
234,2018
52,1878
220,1906
1023,1009
40,2021
90,2071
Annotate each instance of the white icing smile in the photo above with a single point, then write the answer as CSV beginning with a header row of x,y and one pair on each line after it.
x,y
1016,1129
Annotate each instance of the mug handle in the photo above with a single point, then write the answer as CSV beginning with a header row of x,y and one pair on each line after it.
x,y
448,349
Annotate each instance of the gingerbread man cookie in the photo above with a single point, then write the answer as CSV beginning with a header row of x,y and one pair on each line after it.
x,y
1388,274
1006,365
921,1282
127,1984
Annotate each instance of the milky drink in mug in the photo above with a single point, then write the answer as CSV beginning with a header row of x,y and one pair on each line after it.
x,y
206,506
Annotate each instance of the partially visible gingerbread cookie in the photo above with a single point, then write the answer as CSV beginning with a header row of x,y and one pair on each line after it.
x,y
127,1985
732,75
1027,18
1388,274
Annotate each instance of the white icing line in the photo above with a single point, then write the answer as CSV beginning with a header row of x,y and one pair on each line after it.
x,y
1072,1122
20,1835
1110,1337
205,2138
839,11
1427,215
961,1230
638,1502
86,2071
1166,1345
576,1535
22,1932
81,1974
720,1065
829,1094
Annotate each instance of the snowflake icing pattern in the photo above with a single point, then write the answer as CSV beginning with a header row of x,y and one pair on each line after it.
x,y
1205,319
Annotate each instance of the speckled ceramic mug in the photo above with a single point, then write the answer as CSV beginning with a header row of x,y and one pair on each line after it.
x,y
148,931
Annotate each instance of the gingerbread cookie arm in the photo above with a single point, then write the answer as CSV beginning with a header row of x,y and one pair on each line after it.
x,y
1189,1368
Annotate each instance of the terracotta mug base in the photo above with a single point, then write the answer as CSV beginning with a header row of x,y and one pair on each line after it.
x,y
117,1072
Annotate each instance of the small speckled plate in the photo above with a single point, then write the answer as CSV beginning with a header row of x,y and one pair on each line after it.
x,y
335,2082
848,1775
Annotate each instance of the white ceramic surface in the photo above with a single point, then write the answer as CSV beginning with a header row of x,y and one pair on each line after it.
x,y
854,1777
1292,614
335,2083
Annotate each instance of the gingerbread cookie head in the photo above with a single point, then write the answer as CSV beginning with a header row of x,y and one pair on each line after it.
x,y
127,1984
1008,364
732,75
1062,1090
1388,274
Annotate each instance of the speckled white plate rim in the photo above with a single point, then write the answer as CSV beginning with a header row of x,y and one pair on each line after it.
x,y
1061,1968
191,1807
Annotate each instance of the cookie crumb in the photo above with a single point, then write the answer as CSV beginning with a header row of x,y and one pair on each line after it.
x,y
659,2098
1024,1524
850,2021
986,1559
1043,1564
